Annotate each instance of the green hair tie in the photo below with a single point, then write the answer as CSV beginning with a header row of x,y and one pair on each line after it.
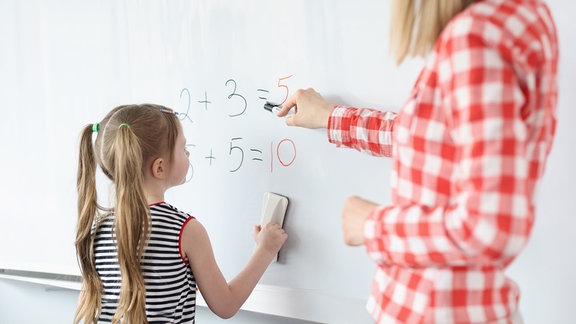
x,y
95,128
124,124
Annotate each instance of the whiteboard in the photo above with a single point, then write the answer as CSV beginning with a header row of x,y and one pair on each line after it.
x,y
66,63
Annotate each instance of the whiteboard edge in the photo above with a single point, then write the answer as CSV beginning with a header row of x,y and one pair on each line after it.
x,y
303,304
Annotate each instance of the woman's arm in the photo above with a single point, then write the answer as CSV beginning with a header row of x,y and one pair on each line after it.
x,y
366,130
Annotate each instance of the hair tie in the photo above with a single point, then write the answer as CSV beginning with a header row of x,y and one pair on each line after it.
x,y
169,111
124,124
95,128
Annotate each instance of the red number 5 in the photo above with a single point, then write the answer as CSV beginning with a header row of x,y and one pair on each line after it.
x,y
284,86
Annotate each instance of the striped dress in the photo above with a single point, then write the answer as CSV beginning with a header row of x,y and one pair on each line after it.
x,y
170,284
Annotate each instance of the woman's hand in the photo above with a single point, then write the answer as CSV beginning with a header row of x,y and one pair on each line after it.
x,y
354,214
312,110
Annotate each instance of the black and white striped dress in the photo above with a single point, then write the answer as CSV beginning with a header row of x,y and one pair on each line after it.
x,y
170,284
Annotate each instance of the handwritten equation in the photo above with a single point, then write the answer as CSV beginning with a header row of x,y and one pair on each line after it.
x,y
238,151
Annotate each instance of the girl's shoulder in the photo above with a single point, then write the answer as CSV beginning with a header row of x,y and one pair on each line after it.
x,y
165,210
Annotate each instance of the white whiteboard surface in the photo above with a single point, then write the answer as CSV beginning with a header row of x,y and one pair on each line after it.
x,y
65,63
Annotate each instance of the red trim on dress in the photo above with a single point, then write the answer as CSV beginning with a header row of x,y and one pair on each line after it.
x,y
180,239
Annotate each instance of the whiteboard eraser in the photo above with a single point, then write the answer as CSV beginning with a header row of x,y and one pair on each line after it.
x,y
273,210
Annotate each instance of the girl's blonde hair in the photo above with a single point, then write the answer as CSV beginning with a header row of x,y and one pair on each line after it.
x,y
128,139
416,24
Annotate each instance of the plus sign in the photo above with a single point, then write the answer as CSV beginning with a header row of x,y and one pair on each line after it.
x,y
210,157
205,101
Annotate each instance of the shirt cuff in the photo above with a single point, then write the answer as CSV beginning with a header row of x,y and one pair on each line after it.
x,y
373,236
339,125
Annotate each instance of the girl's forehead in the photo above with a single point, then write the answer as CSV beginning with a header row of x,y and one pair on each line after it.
x,y
181,135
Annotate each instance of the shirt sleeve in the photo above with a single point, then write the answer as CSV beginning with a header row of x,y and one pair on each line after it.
x,y
491,214
363,129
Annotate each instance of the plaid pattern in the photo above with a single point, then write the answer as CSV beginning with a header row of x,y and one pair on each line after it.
x,y
468,148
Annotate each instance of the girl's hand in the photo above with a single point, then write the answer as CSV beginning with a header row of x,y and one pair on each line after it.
x,y
270,237
354,213
312,110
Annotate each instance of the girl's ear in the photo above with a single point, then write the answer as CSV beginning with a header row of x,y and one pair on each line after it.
x,y
158,168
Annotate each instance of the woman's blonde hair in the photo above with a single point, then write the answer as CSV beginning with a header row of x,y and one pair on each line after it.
x,y
416,24
128,139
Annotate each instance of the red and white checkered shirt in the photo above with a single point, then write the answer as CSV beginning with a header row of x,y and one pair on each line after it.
x,y
468,148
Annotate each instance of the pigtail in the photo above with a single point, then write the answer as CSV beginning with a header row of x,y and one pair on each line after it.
x,y
132,225
89,303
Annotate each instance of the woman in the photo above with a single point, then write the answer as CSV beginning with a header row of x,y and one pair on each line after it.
x,y
468,148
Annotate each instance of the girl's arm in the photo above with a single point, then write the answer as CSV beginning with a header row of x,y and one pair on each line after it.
x,y
225,298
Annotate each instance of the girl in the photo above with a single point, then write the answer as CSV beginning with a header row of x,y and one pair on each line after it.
x,y
468,149
142,259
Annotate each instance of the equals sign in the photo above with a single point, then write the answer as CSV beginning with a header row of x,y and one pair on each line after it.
x,y
261,96
256,158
